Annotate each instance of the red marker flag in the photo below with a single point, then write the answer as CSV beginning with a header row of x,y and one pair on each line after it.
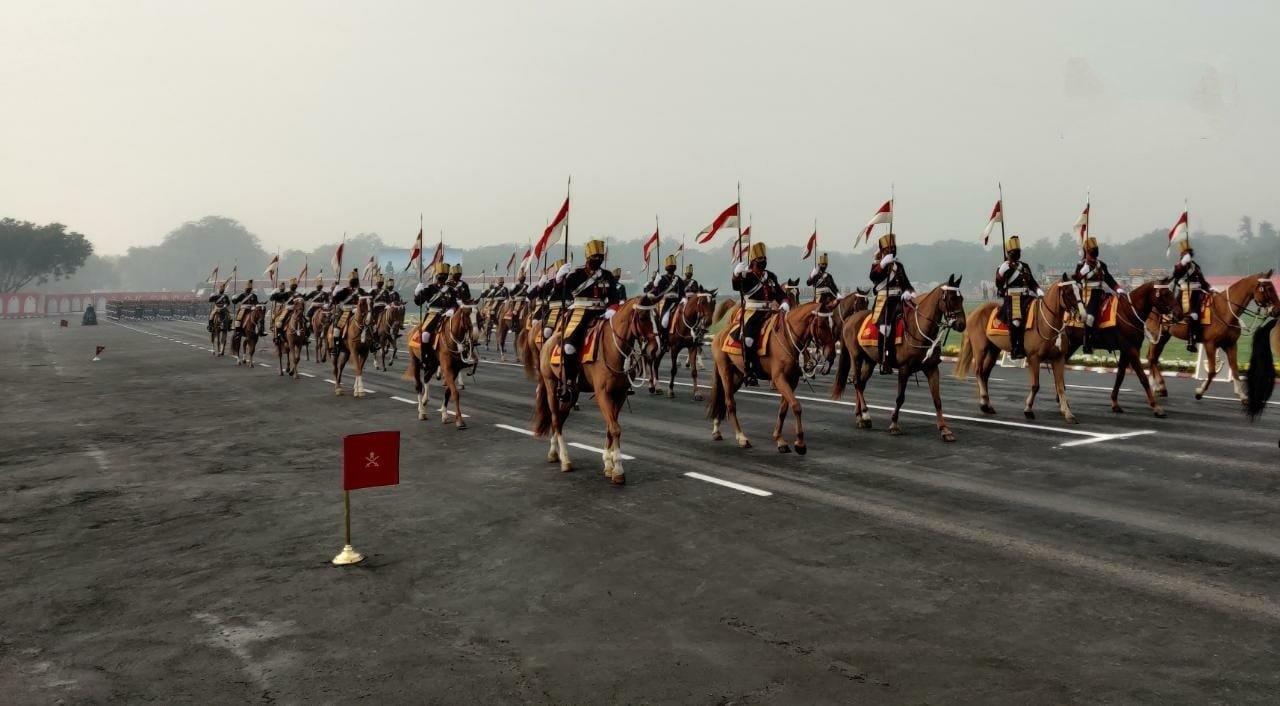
x,y
647,250
511,261
370,460
810,246
438,256
553,232
997,216
727,219
883,215
1179,229
1081,227
416,254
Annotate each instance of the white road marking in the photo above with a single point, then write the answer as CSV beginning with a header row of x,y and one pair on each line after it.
x,y
305,375
730,484
1233,399
1095,387
1106,437
517,430
584,447
405,400
98,455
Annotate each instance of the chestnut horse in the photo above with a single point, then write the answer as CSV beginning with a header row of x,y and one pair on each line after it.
x,y
782,362
1260,381
220,326
296,337
245,341
1046,340
1222,333
689,324
919,351
1127,336
511,317
386,331
322,320
606,377
353,348
447,354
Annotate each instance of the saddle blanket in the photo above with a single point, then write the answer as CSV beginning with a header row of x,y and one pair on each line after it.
x,y
869,337
588,347
733,346
1106,317
415,340
996,327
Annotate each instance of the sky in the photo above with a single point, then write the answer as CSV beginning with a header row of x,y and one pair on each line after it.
x,y
307,119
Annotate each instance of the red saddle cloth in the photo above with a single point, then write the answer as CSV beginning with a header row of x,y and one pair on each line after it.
x,y
733,346
869,337
588,352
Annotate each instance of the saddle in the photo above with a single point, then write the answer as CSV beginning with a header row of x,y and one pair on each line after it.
x,y
996,327
1106,316
588,346
732,342
869,335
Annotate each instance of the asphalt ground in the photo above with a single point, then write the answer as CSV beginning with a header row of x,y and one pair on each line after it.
x,y
168,520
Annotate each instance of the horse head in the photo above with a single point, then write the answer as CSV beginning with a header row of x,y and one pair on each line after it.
x,y
952,304
1264,294
1064,291
641,319
1162,299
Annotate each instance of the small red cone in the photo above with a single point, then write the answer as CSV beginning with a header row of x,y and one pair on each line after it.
x,y
98,352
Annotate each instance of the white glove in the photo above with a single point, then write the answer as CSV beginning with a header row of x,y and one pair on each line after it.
x,y
416,290
884,261
1085,270
542,281
1119,290
563,272
813,273
908,295
1004,267
1185,259
1040,293
739,268
449,313
785,307
608,313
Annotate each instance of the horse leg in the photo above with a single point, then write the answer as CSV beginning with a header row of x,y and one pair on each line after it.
x,y
281,351
1135,361
615,431
1059,366
1033,375
935,390
903,375
986,363
458,421
1210,366
1233,367
605,402
862,373
338,364
421,386
1153,364
789,403
693,372
731,410
562,446
671,382
1121,368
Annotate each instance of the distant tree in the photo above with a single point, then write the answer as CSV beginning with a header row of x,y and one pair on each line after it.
x,y
1245,229
30,252
1266,231
190,251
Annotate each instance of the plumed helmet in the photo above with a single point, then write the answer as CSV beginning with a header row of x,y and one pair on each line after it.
x,y
558,265
248,284
688,270
455,270
758,251
500,282
669,261
822,259
888,240
440,268
1013,243
594,247
391,283
1090,244
1184,247
319,280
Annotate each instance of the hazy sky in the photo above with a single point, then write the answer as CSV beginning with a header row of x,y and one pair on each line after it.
x,y
305,119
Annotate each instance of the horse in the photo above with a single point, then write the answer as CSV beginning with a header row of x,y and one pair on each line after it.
x,y
1221,333
322,320
528,348
782,361
221,326
245,341
606,376
1046,340
446,354
850,304
919,351
352,348
689,324
1127,336
511,316
296,337
386,331
1260,380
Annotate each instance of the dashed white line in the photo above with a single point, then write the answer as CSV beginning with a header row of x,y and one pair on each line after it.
x,y
305,375
517,430
729,484
584,447
1106,437
405,400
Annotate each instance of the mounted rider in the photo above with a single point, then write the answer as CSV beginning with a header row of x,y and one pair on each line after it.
x,y
317,297
1014,282
221,303
690,285
668,288
543,293
1099,286
618,285
824,285
246,299
282,298
347,298
439,299
1192,286
759,288
591,289
891,286
461,291
519,295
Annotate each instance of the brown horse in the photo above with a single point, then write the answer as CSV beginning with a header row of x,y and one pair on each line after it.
x,y
1046,340
511,317
782,361
322,320
220,326
296,338
542,315
355,347
386,331
689,324
448,353
245,341
1129,333
1222,332
850,304
919,351
606,376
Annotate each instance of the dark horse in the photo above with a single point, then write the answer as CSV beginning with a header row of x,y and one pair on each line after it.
x,y
1260,381
1126,337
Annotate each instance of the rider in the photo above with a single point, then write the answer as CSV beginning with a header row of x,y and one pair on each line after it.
x,y
247,298
438,297
890,283
618,285
220,303
690,285
347,298
1098,285
519,293
1194,284
1014,282
759,287
591,287
393,295
281,299
316,297
824,285
546,292
667,287
461,291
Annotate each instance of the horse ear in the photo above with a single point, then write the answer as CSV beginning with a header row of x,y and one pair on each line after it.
x,y
1267,275
958,280
1064,277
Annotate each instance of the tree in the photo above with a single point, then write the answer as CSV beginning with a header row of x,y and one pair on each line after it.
x,y
1245,229
33,252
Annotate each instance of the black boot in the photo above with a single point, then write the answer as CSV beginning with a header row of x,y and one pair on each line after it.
x,y
1193,335
750,365
886,356
569,385
1017,344
1088,341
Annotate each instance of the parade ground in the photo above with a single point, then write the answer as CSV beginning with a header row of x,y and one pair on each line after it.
x,y
168,521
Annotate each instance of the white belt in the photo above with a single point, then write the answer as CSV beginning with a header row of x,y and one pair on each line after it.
x,y
584,303
1193,285
753,305
1016,290
893,292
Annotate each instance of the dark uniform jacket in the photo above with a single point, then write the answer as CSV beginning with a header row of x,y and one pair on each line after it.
x,y
435,296
246,298
759,288
1017,276
823,281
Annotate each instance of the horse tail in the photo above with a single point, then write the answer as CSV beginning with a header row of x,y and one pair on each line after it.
x,y
1260,381
527,358
965,361
842,373
541,411
721,309
716,408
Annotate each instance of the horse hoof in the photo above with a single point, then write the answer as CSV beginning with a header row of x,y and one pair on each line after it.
x,y
698,397
619,479
717,436
895,430
784,449
1159,413
553,458
422,416
744,444
947,436
338,392
1199,395
1117,409
1029,414
802,449
461,426
1163,392
566,467
987,409
1071,420
864,423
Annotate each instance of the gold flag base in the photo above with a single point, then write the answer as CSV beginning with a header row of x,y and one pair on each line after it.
x,y
348,555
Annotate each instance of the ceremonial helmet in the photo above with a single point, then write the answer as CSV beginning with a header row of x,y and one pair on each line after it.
x,y
440,268
377,279
391,284
354,278
593,248
1013,247
1184,247
688,270
248,284
757,252
293,281
888,240
558,264
319,280
456,270
669,261
617,272
822,259
500,282
1091,246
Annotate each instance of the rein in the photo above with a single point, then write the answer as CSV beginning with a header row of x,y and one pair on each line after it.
x,y
942,324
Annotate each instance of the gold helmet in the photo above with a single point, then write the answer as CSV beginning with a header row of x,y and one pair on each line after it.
x,y
456,270
377,279
757,252
248,284
355,274
888,240
319,280
440,268
822,259
1184,247
558,265
688,270
1090,244
1013,243
293,281
669,261
617,272
594,247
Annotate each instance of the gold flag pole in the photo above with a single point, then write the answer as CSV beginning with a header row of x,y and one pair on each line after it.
x,y
348,555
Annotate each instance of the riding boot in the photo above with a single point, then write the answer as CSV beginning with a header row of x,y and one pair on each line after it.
x,y
886,356
569,383
1017,344
1193,335
751,366
210,326
1088,341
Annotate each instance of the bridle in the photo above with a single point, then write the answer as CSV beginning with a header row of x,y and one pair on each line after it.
x,y
943,324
